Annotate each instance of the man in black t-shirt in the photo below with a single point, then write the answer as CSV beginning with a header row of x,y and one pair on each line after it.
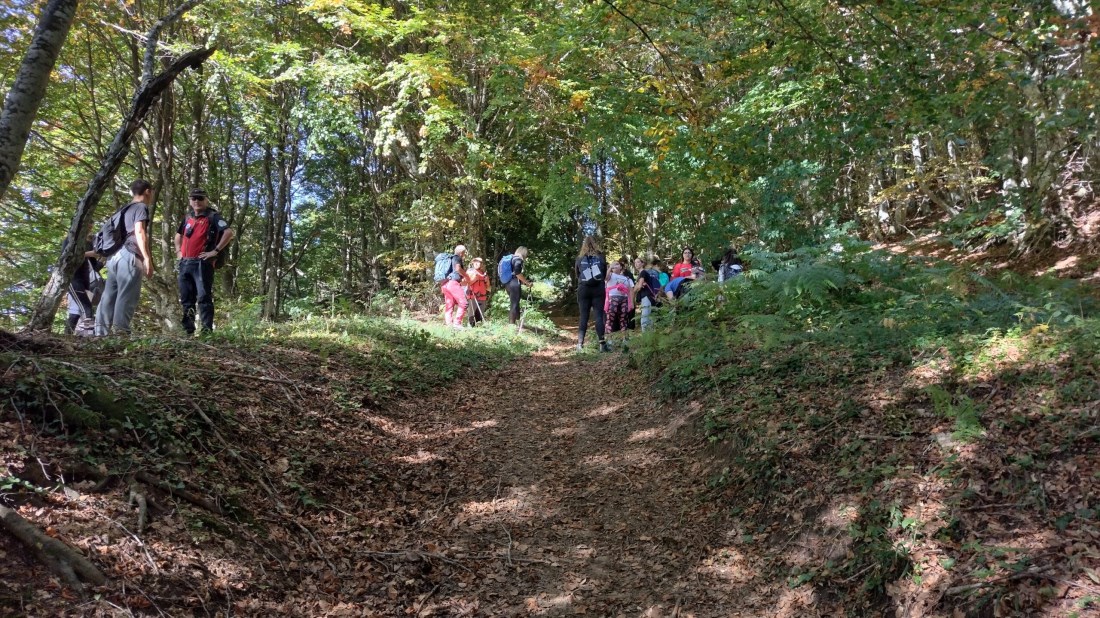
x,y
127,267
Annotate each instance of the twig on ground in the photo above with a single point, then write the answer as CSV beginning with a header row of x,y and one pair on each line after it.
x,y
150,599
509,548
858,574
1000,580
22,421
138,498
189,496
424,601
259,378
989,507
1085,587
420,555
317,544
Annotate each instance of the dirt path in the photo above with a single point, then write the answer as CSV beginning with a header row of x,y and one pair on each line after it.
x,y
569,497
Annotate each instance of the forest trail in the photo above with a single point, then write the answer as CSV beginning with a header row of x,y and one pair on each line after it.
x,y
580,489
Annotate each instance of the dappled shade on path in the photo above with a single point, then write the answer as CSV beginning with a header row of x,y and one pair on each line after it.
x,y
582,493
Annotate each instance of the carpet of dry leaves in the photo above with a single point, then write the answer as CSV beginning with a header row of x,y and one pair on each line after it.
x,y
556,486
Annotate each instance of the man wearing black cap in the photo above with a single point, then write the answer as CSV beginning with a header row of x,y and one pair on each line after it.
x,y
201,236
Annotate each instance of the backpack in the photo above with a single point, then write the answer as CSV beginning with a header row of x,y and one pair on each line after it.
x,y
504,268
729,271
112,233
214,235
444,265
653,288
590,270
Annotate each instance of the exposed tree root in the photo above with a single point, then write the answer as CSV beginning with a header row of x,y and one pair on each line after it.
x,y
179,492
66,562
138,498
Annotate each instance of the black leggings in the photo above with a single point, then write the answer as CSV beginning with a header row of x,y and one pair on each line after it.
x,y
513,287
590,298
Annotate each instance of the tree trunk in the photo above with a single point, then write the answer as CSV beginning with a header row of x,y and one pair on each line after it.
x,y
43,313
63,560
29,87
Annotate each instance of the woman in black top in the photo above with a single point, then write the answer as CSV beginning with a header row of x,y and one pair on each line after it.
x,y
513,287
591,270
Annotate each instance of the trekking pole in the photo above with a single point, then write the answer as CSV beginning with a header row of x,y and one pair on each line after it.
x,y
522,313
480,311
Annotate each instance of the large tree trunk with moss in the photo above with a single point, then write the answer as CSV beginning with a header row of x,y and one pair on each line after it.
x,y
29,87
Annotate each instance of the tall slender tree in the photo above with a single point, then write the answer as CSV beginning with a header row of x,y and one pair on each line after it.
x,y
29,87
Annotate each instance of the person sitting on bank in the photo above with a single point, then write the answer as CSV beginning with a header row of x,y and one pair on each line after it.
x,y
678,286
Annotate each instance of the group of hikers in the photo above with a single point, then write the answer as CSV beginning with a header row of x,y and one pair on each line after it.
x,y
465,286
123,246
612,292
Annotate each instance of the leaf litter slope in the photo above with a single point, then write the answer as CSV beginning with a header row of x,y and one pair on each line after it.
x,y
574,491
553,486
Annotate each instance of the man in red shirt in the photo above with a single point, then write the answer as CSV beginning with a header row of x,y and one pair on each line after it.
x,y
201,236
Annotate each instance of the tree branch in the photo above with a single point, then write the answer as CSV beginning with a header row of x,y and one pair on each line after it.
x,y
664,59
152,38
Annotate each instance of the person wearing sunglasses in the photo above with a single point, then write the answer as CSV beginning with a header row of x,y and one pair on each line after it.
x,y
201,238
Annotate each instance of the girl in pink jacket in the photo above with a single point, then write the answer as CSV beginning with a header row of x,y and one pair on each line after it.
x,y
618,298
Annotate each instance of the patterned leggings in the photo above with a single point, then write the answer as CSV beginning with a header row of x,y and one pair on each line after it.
x,y
616,313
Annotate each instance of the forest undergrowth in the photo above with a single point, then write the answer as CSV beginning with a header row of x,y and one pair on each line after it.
x,y
900,432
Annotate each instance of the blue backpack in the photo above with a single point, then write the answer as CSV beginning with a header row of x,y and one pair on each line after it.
x,y
504,268
444,264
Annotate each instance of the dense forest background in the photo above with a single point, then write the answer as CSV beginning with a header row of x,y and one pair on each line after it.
x,y
347,141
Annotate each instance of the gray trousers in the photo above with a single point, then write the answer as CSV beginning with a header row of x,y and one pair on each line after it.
x,y
120,296
647,309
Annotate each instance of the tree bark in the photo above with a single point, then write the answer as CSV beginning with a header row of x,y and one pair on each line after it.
x,y
29,87
66,562
43,313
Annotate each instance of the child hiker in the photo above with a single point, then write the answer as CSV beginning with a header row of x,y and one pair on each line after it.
x,y
618,299
477,291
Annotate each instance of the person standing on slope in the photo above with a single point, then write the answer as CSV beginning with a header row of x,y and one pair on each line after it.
x,y
683,269
618,299
514,285
478,290
454,296
127,267
591,271
200,238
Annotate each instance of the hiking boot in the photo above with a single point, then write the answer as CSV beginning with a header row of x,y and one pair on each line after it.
x,y
605,346
85,327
